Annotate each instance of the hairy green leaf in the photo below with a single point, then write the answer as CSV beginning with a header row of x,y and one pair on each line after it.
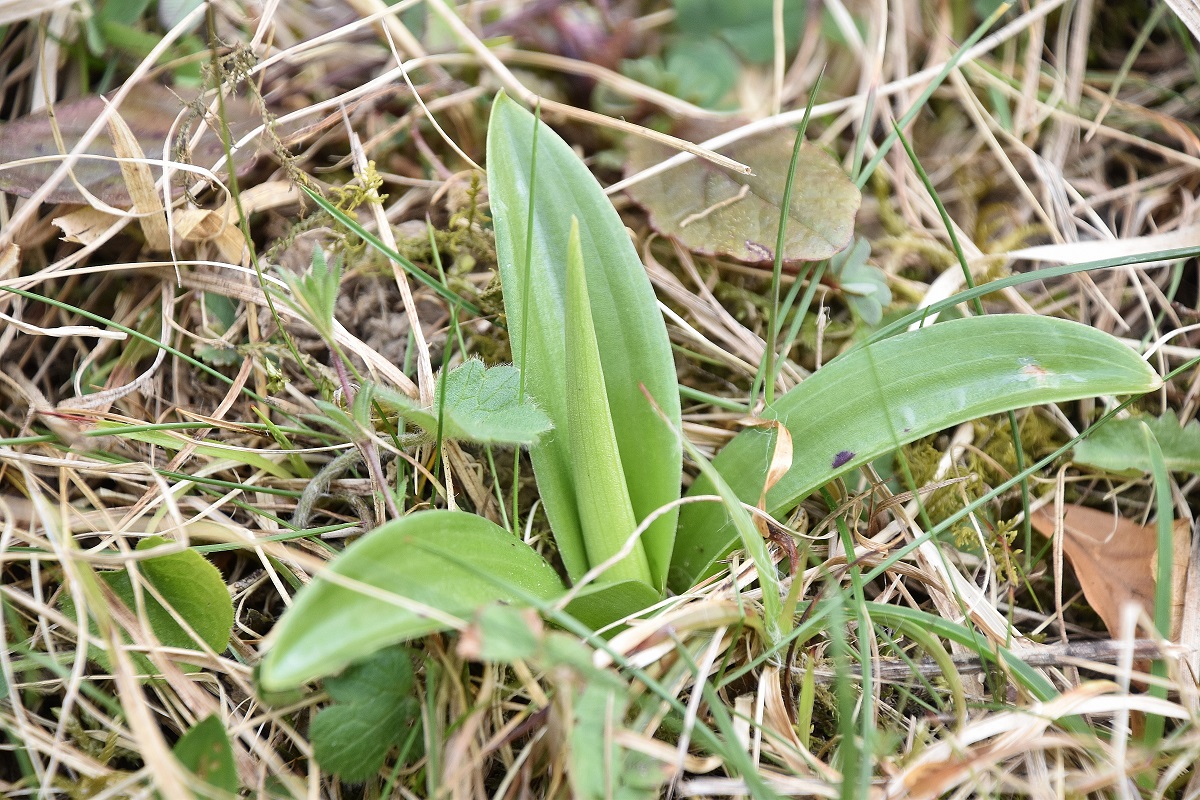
x,y
482,405
880,396
376,709
1119,446
314,293
632,339
415,575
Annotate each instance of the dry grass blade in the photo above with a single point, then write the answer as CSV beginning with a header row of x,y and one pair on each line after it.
x,y
139,182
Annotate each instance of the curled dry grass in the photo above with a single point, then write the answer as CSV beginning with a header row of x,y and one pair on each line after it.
x,y
1042,147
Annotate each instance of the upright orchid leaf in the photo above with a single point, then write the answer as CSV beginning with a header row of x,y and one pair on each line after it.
x,y
886,394
630,334
605,512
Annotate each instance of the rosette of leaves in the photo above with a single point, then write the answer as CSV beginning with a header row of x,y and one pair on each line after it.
x,y
586,330
863,285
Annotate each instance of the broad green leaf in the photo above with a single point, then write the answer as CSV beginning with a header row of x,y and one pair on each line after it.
x,y
449,561
482,405
880,396
702,69
632,339
716,212
376,709
746,24
506,635
206,752
192,587
1119,446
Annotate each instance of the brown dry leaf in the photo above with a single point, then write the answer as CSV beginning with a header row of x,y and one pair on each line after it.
x,y
221,226
1115,560
149,112
10,261
781,459
85,225
781,462
716,212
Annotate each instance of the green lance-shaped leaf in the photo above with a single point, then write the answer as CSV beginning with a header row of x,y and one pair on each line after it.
x,y
605,512
876,398
374,594
632,339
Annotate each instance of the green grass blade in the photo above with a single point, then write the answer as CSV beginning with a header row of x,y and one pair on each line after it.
x,y
632,339
1164,568
219,452
874,399
781,238
911,618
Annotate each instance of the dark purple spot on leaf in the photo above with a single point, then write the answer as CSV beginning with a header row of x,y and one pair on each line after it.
x,y
842,458
764,253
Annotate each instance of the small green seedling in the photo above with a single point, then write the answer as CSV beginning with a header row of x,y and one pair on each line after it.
x,y
863,285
